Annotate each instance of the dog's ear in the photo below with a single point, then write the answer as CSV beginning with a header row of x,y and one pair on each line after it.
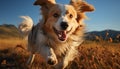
x,y
81,6
45,6
45,3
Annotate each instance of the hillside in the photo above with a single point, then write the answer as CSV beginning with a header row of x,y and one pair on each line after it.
x,y
104,35
9,31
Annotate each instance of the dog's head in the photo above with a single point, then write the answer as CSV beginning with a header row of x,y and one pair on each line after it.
x,y
60,21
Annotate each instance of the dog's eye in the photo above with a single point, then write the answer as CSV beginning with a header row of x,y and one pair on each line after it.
x,y
56,15
71,16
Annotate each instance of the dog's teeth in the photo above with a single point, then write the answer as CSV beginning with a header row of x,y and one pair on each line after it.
x,y
59,35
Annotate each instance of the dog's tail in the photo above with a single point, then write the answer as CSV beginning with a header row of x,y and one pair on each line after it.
x,y
25,26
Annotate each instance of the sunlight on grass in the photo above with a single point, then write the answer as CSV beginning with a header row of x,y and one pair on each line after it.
x,y
92,55
10,43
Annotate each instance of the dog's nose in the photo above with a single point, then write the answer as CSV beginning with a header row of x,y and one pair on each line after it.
x,y
64,25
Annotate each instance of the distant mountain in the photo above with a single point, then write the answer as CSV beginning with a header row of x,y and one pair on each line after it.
x,y
9,31
104,35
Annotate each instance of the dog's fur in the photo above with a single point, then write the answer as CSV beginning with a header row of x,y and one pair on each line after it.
x,y
59,33
25,26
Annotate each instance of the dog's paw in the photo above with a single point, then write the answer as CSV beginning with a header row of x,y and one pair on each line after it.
x,y
52,62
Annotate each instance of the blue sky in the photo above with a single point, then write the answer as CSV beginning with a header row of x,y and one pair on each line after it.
x,y
106,15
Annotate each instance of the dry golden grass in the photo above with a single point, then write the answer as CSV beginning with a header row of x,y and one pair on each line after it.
x,y
100,56
11,43
13,53
92,55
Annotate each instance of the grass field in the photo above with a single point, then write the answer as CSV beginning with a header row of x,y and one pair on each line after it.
x,y
92,55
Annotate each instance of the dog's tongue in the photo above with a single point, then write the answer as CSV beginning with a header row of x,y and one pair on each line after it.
x,y
62,35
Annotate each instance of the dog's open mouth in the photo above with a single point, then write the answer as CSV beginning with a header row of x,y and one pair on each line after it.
x,y
62,35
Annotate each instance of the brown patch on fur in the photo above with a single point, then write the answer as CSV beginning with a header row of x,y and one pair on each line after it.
x,y
70,12
67,12
80,16
48,26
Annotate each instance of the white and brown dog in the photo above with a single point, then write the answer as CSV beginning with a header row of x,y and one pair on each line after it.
x,y
59,33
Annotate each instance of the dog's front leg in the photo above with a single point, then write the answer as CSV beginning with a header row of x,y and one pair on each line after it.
x,y
49,55
52,59
70,55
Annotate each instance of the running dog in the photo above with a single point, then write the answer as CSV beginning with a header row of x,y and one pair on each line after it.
x,y
59,33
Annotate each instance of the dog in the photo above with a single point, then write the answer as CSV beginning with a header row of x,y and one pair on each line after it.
x,y
59,33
